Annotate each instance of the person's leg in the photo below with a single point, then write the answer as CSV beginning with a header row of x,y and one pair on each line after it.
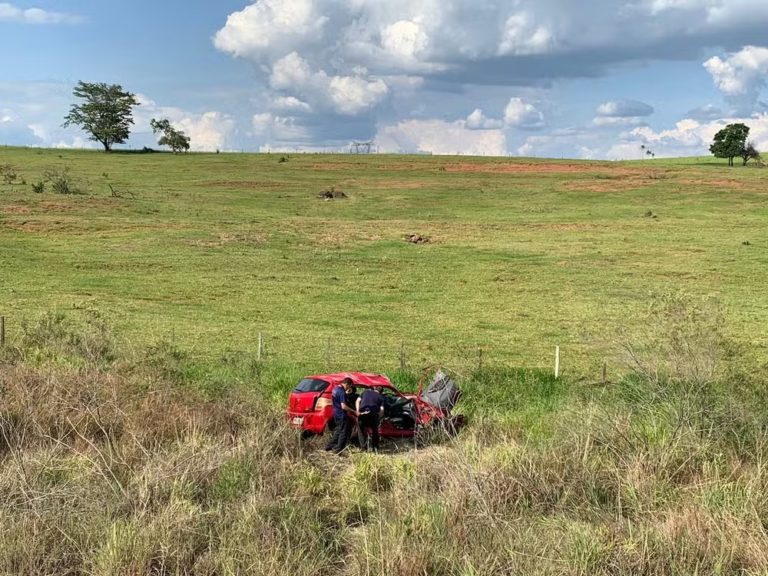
x,y
374,423
362,424
334,437
345,428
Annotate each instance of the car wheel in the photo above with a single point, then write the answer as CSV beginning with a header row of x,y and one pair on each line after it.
x,y
307,434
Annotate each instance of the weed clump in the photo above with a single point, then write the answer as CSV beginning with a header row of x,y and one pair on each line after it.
x,y
332,194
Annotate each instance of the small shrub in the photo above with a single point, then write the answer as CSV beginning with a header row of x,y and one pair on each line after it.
x,y
38,187
61,181
55,335
9,174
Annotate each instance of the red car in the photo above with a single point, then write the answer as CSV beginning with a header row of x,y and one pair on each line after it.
x,y
310,409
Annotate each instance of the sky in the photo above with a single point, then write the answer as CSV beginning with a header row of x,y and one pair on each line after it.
x,y
602,79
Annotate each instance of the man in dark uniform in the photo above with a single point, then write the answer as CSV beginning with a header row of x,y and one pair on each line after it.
x,y
342,412
370,409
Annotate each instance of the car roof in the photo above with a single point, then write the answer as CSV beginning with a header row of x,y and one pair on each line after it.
x,y
358,378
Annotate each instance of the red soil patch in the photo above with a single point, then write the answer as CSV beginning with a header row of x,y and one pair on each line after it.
x,y
15,209
247,184
540,168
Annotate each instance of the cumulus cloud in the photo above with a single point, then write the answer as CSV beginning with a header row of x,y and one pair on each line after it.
x,y
327,59
521,114
522,35
477,120
12,13
290,103
349,95
440,137
208,131
269,26
286,129
691,137
740,75
624,109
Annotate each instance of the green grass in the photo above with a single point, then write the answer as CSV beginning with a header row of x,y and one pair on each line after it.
x,y
206,251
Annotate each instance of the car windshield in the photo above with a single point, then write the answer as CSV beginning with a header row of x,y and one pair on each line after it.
x,y
311,385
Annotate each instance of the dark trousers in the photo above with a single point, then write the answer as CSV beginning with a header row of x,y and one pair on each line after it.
x,y
341,434
368,431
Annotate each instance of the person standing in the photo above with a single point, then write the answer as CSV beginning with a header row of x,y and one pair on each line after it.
x,y
370,409
342,416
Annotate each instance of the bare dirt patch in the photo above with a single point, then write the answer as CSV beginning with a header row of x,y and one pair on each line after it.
x,y
719,183
540,168
15,209
243,184
226,238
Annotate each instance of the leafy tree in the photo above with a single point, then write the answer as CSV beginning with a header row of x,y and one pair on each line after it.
x,y
749,152
175,139
730,142
106,112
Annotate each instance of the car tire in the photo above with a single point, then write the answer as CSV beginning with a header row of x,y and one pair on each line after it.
x,y
307,434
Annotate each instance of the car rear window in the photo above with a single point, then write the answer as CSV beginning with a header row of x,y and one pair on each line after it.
x,y
311,385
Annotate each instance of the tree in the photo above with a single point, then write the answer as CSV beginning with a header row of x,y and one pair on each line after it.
x,y
106,112
749,152
175,139
730,142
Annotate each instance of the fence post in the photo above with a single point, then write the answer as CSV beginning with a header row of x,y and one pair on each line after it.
x,y
260,353
557,362
402,357
605,372
2,331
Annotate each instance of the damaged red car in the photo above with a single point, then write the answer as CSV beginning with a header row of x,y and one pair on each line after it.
x,y
405,414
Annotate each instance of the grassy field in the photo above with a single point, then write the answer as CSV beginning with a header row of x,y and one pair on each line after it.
x,y
208,250
139,435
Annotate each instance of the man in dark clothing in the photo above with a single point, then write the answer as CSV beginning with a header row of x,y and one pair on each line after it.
x,y
342,412
370,408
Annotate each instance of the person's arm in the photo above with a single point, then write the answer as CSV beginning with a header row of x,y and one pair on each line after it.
x,y
357,405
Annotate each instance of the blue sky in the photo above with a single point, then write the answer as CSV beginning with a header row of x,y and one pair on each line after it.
x,y
588,79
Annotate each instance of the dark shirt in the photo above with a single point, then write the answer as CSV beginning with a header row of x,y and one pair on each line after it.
x,y
339,398
371,401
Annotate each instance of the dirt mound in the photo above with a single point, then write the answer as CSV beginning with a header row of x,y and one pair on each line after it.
x,y
416,239
332,194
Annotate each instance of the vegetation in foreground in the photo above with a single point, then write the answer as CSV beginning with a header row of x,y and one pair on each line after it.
x,y
115,463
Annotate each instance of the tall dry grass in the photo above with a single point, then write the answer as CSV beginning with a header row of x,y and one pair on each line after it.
x,y
110,466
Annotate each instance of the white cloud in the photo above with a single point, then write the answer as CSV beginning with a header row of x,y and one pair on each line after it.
x,y
740,75
477,120
349,95
209,131
523,36
278,128
354,94
690,137
290,103
521,114
440,137
405,38
270,26
624,109
12,13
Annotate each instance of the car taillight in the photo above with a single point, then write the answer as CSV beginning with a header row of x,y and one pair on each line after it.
x,y
321,403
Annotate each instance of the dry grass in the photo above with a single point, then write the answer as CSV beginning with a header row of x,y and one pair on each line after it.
x,y
121,473
123,465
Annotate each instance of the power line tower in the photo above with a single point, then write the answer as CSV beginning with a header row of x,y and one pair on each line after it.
x,y
361,147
